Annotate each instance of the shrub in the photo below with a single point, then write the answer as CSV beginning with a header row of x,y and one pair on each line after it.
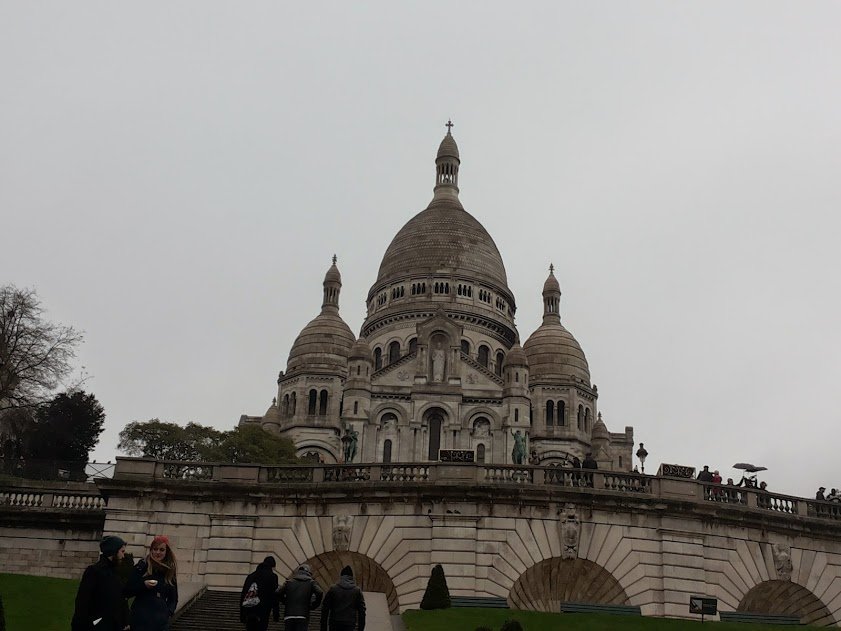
x,y
2,615
483,629
437,595
511,625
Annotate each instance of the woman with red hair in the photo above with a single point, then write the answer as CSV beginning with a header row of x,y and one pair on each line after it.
x,y
154,588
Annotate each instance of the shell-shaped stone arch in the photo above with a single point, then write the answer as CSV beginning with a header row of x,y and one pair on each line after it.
x,y
388,407
483,411
368,574
423,412
544,586
785,598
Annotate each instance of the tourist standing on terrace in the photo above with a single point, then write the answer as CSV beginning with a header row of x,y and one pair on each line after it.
x,y
100,605
154,588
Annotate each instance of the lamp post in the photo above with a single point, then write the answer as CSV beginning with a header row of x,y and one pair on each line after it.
x,y
642,454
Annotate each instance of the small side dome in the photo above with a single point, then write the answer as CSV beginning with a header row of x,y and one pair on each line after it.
x,y
600,430
361,350
323,345
551,284
272,415
516,357
333,275
554,354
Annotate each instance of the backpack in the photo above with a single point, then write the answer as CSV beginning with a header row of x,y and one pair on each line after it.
x,y
251,599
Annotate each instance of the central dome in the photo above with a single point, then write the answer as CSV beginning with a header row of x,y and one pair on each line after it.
x,y
443,239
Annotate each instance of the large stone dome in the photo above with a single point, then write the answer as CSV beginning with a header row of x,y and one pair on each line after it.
x,y
555,355
443,239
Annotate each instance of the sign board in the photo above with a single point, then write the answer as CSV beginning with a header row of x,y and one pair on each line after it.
x,y
703,605
456,455
676,471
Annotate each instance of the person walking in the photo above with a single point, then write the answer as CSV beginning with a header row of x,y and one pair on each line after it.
x,y
344,605
100,604
154,588
259,597
299,595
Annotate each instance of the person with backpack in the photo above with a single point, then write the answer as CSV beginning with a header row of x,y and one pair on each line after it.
x,y
259,597
299,595
344,605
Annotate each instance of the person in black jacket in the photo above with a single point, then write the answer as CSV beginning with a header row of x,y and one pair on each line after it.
x,y
100,604
299,595
259,597
154,587
344,605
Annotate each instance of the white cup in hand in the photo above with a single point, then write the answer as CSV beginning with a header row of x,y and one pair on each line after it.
x,y
150,583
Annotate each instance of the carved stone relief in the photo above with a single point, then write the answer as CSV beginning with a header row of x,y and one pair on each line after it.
x,y
782,560
342,525
570,532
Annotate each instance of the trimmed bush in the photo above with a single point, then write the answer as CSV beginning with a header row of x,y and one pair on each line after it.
x,y
484,629
437,594
511,625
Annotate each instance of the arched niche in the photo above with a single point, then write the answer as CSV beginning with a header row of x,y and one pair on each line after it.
x,y
784,598
368,574
543,587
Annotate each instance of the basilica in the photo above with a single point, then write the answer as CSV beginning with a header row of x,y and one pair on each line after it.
x,y
438,367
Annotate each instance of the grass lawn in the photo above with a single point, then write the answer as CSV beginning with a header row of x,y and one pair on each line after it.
x,y
469,619
37,602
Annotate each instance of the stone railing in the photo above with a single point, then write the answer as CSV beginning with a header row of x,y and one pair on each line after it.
x,y
46,500
473,474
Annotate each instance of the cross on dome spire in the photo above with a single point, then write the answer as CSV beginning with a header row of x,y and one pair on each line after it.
x,y
551,268
446,166
334,259
449,126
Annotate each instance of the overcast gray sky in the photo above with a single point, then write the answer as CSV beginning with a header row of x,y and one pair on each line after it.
x,y
175,176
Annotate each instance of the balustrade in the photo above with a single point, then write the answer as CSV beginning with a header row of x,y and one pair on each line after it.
x,y
289,474
506,473
404,473
26,500
626,482
347,473
562,476
187,471
725,494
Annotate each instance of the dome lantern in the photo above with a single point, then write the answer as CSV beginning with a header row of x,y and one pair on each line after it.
x,y
332,287
551,297
446,166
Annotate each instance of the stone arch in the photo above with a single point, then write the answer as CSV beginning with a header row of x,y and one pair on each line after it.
x,y
544,586
322,448
368,574
785,598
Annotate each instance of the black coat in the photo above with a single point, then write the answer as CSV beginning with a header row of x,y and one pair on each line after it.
x,y
343,605
152,607
100,595
299,595
266,581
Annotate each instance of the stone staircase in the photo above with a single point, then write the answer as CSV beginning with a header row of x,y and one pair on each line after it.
x,y
219,611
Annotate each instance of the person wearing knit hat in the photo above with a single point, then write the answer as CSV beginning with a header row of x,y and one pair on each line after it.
x,y
154,587
344,605
258,600
100,604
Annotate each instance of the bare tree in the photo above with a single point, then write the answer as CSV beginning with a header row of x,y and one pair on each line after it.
x,y
35,354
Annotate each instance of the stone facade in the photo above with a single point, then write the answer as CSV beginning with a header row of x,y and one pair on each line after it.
x,y
537,536
438,363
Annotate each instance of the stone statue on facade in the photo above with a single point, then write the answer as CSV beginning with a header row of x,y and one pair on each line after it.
x,y
570,532
342,525
782,561
351,440
482,429
439,360
518,454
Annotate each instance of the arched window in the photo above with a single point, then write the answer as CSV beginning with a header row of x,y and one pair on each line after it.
x,y
465,347
359,370
292,404
378,358
322,403
387,451
284,410
587,420
413,345
500,357
484,353
562,413
393,352
480,453
517,376
356,407
550,413
516,415
313,402
435,423
580,417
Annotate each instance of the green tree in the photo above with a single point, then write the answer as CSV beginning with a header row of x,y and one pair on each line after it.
x,y
67,427
35,355
437,594
253,444
168,441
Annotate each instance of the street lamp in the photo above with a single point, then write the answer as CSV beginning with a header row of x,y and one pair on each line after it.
x,y
642,454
